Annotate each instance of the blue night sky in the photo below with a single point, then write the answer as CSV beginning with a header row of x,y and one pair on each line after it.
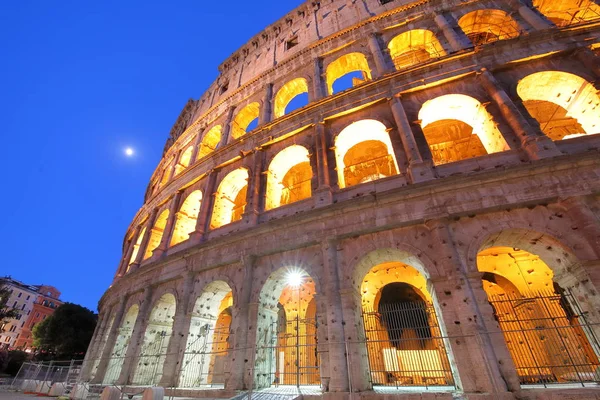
x,y
81,81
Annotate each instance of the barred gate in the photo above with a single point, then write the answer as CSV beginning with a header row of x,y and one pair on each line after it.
x,y
405,346
296,357
150,362
548,337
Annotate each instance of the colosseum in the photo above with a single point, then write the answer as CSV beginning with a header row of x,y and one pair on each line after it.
x,y
376,198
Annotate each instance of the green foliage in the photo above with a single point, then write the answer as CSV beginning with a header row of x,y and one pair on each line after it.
x,y
6,312
66,333
15,358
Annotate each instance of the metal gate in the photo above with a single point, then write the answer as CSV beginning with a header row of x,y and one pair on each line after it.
x,y
405,346
548,337
150,362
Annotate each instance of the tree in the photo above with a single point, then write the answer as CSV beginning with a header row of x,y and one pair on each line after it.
x,y
6,312
66,333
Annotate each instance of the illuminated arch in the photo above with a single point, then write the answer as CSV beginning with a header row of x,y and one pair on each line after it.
x,y
352,62
210,141
289,177
458,127
186,218
487,26
156,233
166,174
363,152
243,119
184,160
136,247
287,93
414,47
230,199
568,12
117,355
564,104
155,342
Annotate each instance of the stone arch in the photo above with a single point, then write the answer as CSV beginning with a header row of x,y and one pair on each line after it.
x,y
208,337
155,341
564,104
414,47
184,160
186,218
287,93
230,199
210,141
166,173
117,355
458,127
288,177
488,25
136,248
156,233
568,12
246,117
346,64
364,152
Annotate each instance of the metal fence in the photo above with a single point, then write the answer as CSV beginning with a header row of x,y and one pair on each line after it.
x,y
41,377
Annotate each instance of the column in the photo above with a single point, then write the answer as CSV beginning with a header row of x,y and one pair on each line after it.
x,y
531,17
181,325
457,41
322,337
381,64
586,222
227,127
122,270
468,320
110,343
418,170
255,184
137,337
534,142
196,144
140,255
95,344
323,194
591,61
168,231
203,221
318,89
265,112
243,347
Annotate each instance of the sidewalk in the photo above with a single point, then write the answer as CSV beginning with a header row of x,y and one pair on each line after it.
x,y
5,395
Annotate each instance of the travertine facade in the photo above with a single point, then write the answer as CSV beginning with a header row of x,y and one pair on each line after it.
x,y
456,182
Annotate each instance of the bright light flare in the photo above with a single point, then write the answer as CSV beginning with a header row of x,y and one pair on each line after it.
x,y
129,152
294,278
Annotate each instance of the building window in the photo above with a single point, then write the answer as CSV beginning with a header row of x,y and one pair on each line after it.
x,y
28,297
23,306
22,324
44,317
293,42
7,339
19,295
14,305
37,315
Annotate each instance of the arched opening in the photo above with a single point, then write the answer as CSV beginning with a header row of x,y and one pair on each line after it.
x,y
289,177
364,153
245,121
186,218
156,233
487,26
136,248
414,47
458,127
208,338
565,105
230,199
568,12
155,342
184,160
117,356
286,340
210,141
352,63
166,174
545,330
405,343
287,96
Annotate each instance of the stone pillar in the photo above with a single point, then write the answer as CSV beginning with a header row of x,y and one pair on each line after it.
x,y
241,326
254,194
196,144
468,319
94,346
203,221
181,324
323,194
110,343
457,41
531,17
381,65
266,111
591,61
322,316
318,89
137,339
418,170
534,142
142,249
227,127
585,221
123,266
168,231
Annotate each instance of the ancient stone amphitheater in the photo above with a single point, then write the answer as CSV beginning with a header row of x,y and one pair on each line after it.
x,y
375,198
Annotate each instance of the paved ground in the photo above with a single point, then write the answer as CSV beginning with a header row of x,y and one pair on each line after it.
x,y
4,395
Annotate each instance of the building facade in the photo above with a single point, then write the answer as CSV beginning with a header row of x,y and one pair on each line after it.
x,y
27,299
375,198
